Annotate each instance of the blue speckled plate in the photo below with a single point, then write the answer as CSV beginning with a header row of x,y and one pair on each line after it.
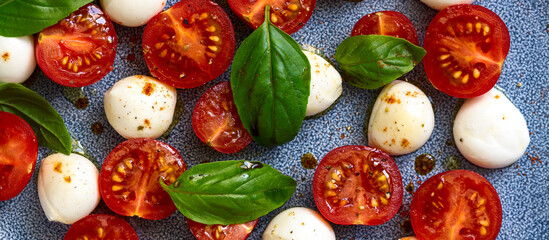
x,y
523,187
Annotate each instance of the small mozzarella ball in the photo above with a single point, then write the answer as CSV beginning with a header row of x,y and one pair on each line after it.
x,y
325,85
132,13
17,61
140,107
299,223
402,119
440,4
490,131
68,187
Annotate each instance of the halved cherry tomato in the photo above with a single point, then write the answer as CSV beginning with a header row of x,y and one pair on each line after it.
x,y
221,232
357,185
216,122
189,44
101,227
466,47
456,205
288,15
389,23
79,50
18,154
129,178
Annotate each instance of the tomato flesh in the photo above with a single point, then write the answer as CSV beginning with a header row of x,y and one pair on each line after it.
x,y
221,232
216,122
129,178
189,44
456,205
18,154
357,185
288,15
466,47
101,227
79,50
389,23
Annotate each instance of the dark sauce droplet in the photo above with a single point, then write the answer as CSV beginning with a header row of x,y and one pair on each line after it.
x,y
97,128
308,161
410,188
251,165
406,226
452,163
77,97
425,163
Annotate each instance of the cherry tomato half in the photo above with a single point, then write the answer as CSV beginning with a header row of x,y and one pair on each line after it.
x,y
456,205
129,178
18,154
189,44
79,50
101,227
389,23
216,122
357,185
466,47
288,15
221,232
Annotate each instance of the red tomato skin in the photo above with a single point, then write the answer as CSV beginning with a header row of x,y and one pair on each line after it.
x,y
252,12
18,155
462,184
228,232
140,194
89,51
191,42
389,23
349,214
112,228
487,58
216,121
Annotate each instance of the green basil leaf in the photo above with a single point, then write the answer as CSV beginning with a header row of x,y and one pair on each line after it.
x,y
372,61
230,192
47,124
270,80
20,18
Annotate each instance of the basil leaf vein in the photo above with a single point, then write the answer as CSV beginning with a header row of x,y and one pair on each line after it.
x,y
372,61
270,80
20,18
47,124
230,192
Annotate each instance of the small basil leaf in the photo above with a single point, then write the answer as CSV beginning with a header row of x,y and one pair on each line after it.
x,y
270,80
230,192
20,18
47,124
372,61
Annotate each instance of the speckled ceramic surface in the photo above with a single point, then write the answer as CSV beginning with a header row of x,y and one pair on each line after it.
x,y
523,187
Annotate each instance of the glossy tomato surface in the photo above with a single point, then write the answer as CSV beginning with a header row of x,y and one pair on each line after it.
x,y
456,205
288,15
18,153
189,44
389,23
79,50
101,227
129,178
221,232
216,122
466,47
357,185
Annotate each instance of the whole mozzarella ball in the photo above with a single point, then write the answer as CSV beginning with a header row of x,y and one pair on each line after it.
x,y
299,223
68,187
132,13
17,60
440,4
402,119
490,131
325,87
140,107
